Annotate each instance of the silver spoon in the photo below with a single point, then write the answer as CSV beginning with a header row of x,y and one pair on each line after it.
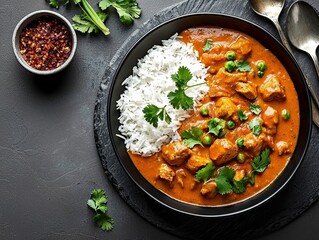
x,y
271,9
303,29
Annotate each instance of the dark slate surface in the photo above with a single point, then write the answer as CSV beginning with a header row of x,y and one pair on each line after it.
x,y
48,158
273,215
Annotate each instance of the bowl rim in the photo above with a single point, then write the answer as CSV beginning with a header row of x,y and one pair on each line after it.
x,y
172,202
24,22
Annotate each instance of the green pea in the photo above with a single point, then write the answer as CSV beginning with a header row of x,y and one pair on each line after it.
x,y
241,158
231,124
285,114
230,66
204,110
260,74
230,55
207,139
261,65
240,142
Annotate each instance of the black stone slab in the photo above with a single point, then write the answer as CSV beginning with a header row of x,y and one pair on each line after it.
x,y
293,200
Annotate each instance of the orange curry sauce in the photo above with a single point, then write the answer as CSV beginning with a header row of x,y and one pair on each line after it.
x,y
286,130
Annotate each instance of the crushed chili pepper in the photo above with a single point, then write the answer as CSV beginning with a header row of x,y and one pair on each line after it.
x,y
45,43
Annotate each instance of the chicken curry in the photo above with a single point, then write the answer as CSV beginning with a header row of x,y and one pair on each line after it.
x,y
241,136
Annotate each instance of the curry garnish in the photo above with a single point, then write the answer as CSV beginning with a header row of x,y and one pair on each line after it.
x,y
255,108
260,163
216,126
205,173
208,45
242,116
152,113
192,136
255,126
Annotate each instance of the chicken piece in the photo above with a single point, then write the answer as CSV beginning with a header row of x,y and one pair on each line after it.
x,y
282,147
254,144
175,153
248,89
222,150
166,173
222,84
196,162
270,120
180,175
242,47
209,189
271,89
225,108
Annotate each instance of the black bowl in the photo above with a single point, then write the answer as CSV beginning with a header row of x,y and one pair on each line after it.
x,y
165,31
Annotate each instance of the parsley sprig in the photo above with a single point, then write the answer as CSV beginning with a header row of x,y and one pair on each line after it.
x,y
97,202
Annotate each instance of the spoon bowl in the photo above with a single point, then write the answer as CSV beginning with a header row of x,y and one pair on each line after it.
x,y
303,29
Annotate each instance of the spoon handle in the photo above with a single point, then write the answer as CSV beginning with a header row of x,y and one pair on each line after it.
x,y
282,35
315,60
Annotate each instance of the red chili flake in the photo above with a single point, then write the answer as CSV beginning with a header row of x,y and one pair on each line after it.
x,y
45,43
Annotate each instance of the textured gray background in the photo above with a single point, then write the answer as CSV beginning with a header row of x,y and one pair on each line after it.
x,y
48,159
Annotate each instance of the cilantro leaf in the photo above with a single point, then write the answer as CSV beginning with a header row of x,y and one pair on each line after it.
x,y
242,66
97,202
57,3
242,116
182,77
83,23
255,108
152,113
255,126
216,126
240,186
261,162
128,10
191,137
224,180
104,221
208,45
179,99
205,173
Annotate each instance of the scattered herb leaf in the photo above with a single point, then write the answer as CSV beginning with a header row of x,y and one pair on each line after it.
x,y
83,24
216,126
240,186
97,202
208,45
57,3
242,116
152,113
128,10
205,173
259,164
191,137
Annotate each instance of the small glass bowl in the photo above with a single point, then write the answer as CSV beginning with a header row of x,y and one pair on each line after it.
x,y
25,22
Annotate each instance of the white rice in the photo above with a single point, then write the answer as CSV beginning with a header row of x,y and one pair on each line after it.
x,y
149,84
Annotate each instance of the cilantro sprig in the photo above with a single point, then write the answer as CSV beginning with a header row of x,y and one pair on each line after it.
x,y
205,173
178,98
152,113
255,108
191,137
97,202
92,21
260,164
242,116
128,10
